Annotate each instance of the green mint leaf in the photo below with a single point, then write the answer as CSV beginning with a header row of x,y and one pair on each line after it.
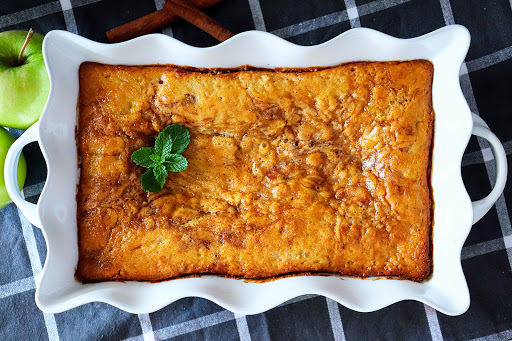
x,y
149,183
163,158
172,140
180,138
163,143
156,159
160,173
142,157
175,163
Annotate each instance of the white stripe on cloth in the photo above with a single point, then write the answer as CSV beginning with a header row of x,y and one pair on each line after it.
x,y
446,8
206,321
33,190
504,218
311,25
508,241
464,80
243,327
80,3
193,325
69,16
487,154
433,323
29,14
467,89
508,147
135,338
65,4
35,262
147,328
168,31
335,317
353,14
484,155
489,60
257,15
335,18
17,287
473,158
504,335
159,4
38,12
377,6
297,299
482,248
30,241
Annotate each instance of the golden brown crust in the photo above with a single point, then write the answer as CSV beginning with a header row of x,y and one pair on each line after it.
x,y
290,171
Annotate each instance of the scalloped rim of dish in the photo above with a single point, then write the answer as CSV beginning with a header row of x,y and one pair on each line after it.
x,y
446,290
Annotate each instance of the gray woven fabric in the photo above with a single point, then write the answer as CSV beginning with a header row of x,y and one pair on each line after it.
x,y
486,80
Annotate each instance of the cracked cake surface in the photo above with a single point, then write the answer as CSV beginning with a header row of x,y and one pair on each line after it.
x,y
305,170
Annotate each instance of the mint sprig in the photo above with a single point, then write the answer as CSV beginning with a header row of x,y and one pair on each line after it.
x,y
163,158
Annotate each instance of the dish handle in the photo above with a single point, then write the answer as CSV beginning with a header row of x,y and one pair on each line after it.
x,y
482,206
28,209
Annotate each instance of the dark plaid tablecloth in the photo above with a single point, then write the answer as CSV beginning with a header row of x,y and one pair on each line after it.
x,y
486,79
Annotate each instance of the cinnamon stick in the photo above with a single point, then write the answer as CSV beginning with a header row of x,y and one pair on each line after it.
x,y
150,23
196,17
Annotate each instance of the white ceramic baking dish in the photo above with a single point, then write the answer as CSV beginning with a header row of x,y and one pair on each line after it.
x,y
454,213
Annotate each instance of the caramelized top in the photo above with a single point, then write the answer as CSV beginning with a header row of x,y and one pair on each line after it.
x,y
294,171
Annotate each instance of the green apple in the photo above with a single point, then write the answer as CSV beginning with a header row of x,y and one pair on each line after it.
x,y
24,85
6,140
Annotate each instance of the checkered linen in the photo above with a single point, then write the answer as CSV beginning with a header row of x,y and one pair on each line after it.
x,y
486,80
